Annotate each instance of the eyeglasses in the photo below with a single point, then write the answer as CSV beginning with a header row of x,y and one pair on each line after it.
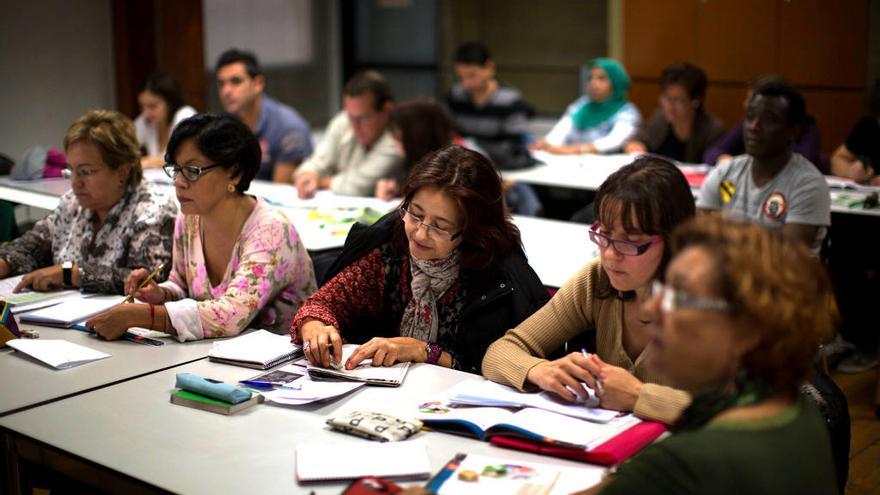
x,y
677,102
81,172
672,299
625,248
191,174
432,231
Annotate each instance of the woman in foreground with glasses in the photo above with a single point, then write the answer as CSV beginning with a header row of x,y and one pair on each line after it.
x,y
108,224
737,325
637,207
236,262
436,281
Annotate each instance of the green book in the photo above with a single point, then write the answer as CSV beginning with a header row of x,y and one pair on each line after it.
x,y
189,399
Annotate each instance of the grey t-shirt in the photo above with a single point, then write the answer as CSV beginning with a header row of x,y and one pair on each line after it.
x,y
798,194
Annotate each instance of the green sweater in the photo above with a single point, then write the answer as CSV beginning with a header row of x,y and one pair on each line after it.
x,y
785,454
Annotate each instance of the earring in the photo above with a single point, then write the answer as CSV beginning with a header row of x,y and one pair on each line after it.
x,y
230,187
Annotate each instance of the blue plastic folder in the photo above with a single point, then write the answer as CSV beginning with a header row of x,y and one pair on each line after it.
x,y
220,391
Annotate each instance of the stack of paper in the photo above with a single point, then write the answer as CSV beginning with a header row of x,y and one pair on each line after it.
x,y
260,349
318,462
486,393
59,354
304,390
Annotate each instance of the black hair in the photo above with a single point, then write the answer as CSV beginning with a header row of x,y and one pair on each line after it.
x,y
369,81
689,76
472,53
874,99
224,140
234,55
797,107
167,88
651,191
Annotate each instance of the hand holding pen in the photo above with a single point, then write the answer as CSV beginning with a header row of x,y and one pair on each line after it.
x,y
142,285
566,376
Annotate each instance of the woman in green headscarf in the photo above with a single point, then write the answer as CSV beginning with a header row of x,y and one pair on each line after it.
x,y
601,120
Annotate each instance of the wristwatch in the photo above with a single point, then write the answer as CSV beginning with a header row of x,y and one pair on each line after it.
x,y
67,273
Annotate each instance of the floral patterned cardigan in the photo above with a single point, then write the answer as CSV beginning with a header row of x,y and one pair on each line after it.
x,y
268,278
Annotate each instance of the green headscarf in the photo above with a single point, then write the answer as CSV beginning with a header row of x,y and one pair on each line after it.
x,y
594,113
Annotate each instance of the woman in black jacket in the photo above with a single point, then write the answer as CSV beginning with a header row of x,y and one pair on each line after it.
x,y
436,281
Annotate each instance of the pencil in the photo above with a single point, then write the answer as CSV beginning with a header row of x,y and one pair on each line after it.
x,y
129,298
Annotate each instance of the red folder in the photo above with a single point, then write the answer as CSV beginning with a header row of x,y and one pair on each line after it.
x,y
612,452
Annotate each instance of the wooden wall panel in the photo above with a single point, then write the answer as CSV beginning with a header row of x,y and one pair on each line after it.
x,y
736,39
657,34
181,47
824,43
836,112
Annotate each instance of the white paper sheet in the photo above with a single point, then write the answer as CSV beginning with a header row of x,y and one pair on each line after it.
x,y
59,354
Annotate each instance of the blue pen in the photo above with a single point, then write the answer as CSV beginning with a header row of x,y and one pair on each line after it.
x,y
258,383
437,481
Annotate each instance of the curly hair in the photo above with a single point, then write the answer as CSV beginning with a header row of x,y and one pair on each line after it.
x,y
113,134
488,232
778,289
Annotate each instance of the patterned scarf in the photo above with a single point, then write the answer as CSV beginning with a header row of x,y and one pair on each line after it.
x,y
430,280
714,401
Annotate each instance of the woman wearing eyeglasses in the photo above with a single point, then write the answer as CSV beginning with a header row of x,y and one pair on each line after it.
x,y
436,281
637,207
737,325
237,261
108,224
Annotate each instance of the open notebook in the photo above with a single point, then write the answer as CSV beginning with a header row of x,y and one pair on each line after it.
x,y
388,376
28,300
322,461
67,313
260,349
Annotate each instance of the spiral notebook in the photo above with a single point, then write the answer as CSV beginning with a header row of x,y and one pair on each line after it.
x,y
260,349
351,460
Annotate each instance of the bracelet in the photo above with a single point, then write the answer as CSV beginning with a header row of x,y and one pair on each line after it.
x,y
152,316
433,351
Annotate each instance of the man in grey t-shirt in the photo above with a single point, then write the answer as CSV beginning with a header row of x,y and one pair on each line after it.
x,y
770,184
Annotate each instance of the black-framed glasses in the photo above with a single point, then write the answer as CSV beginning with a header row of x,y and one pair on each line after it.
x,y
419,221
190,173
672,299
625,248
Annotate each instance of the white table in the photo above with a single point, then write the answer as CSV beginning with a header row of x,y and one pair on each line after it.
x,y
587,172
129,437
555,249
26,382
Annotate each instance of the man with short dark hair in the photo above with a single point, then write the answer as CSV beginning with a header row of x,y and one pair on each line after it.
x,y
495,117
771,184
284,136
357,149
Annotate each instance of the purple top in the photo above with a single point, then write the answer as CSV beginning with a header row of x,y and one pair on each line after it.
x,y
733,144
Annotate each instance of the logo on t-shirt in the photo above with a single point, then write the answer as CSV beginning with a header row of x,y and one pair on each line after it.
x,y
775,206
727,188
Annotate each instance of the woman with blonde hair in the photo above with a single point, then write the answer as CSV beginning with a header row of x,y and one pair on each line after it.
x,y
110,222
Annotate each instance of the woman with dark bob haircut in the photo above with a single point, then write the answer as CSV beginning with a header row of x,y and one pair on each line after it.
x,y
237,261
638,207
435,281
737,324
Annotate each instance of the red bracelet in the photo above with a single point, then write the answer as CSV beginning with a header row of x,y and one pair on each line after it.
x,y
152,316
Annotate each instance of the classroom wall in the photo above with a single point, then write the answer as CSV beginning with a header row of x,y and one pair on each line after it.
x,y
57,62
538,47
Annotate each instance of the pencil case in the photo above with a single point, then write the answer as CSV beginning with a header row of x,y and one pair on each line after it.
x,y
376,426
213,389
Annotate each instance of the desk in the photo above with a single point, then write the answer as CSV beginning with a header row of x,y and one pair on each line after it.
x,y
26,383
128,437
587,172
555,249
